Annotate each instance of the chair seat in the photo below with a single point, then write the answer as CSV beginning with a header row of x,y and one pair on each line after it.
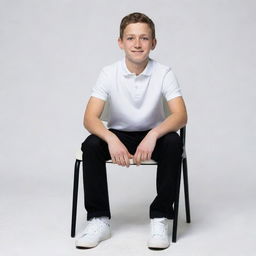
x,y
79,155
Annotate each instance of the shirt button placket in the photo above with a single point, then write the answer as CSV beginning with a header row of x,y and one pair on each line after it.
x,y
137,94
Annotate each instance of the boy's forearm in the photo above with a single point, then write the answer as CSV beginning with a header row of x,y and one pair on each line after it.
x,y
95,126
172,123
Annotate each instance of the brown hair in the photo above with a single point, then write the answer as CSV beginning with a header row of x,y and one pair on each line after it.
x,y
135,18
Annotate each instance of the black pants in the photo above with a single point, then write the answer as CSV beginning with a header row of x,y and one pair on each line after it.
x,y
167,153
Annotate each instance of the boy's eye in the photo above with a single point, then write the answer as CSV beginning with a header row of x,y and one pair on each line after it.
x,y
143,38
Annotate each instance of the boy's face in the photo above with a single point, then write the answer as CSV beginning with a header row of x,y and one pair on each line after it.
x,y
137,42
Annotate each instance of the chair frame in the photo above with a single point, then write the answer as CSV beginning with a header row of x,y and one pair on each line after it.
x,y
176,201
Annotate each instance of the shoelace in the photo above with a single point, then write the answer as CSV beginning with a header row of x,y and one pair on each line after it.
x,y
159,227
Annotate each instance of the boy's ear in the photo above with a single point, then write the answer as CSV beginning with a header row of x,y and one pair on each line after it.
x,y
120,43
154,42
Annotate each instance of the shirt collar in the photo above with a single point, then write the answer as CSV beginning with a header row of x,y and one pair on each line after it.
x,y
146,72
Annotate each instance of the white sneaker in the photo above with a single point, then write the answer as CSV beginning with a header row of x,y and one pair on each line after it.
x,y
97,230
159,238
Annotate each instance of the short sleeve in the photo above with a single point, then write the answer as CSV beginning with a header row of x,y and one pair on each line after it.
x,y
100,89
171,88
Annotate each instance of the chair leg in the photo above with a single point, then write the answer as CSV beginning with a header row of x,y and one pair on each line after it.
x,y
176,209
75,193
186,193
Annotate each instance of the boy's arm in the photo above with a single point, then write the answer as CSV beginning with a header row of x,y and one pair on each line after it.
x,y
92,120
118,152
173,122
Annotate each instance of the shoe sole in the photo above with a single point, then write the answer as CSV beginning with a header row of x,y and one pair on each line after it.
x,y
90,247
157,247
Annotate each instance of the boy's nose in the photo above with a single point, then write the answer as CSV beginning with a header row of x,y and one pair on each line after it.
x,y
137,43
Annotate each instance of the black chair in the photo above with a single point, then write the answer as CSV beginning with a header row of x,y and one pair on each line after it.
x,y
176,202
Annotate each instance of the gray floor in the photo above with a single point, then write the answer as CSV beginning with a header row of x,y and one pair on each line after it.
x,y
37,222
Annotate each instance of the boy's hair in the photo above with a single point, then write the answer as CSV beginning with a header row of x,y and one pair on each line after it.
x,y
135,18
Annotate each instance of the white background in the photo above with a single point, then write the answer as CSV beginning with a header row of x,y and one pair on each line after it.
x,y
51,53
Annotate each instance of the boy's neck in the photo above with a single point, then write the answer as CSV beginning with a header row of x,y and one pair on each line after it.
x,y
136,68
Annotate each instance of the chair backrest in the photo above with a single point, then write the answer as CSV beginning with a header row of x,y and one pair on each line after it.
x,y
105,113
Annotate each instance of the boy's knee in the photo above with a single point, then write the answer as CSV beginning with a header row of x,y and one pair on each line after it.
x,y
91,142
172,140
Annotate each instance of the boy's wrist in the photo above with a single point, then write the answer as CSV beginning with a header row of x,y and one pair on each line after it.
x,y
111,137
153,133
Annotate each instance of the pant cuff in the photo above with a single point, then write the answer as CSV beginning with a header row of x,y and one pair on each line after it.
x,y
157,214
98,214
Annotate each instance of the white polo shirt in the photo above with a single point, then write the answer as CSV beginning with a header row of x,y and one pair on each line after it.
x,y
136,102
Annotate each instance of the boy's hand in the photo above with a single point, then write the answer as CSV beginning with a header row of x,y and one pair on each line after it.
x,y
119,153
145,148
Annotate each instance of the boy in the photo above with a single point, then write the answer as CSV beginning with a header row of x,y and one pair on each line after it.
x,y
137,131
